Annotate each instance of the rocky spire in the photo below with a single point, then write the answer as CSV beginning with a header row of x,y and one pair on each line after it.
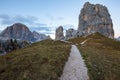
x,y
59,33
95,18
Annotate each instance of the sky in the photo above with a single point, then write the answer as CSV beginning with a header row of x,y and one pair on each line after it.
x,y
44,16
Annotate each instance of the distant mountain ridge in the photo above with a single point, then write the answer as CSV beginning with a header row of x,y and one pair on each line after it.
x,y
39,37
22,32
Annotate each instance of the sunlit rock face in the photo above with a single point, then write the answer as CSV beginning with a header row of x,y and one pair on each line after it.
x,y
95,18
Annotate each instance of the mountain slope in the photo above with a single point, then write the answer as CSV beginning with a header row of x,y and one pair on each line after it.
x,y
41,61
102,56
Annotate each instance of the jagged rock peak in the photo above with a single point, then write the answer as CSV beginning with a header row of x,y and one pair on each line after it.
x,y
59,35
95,18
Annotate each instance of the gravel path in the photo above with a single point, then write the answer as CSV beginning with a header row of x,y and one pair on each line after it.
x,y
75,68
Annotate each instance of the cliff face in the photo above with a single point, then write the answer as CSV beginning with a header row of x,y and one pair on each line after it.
x,y
21,32
18,31
95,18
70,33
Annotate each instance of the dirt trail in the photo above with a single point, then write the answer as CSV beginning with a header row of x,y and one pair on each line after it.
x,y
75,68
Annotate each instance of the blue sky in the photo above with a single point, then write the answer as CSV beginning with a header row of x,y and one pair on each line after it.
x,y
45,16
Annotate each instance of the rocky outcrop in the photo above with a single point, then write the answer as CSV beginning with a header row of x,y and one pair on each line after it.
x,y
70,33
59,33
95,18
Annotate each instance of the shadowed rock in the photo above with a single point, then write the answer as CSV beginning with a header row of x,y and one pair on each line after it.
x,y
70,33
59,33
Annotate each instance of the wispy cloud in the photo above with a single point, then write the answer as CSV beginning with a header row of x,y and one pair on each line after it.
x,y
25,19
53,18
8,20
31,21
68,26
4,16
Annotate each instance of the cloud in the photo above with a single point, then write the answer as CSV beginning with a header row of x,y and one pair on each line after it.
x,y
68,26
53,18
25,19
50,17
4,16
33,23
8,20
5,19
60,18
45,29
30,21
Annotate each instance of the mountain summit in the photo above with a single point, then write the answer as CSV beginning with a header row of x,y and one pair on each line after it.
x,y
22,32
95,18
18,31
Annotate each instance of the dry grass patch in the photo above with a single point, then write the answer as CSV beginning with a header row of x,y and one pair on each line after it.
x,y
102,57
41,61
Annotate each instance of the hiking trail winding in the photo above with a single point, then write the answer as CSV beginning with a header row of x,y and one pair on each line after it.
x,y
75,68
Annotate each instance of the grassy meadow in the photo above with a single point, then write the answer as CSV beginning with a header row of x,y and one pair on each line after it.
x,y
102,56
40,61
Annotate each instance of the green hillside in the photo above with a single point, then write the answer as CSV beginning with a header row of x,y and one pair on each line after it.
x,y
40,61
45,60
102,56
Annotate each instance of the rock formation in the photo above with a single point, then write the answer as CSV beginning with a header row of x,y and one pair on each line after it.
x,y
59,33
18,31
21,32
70,33
95,18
